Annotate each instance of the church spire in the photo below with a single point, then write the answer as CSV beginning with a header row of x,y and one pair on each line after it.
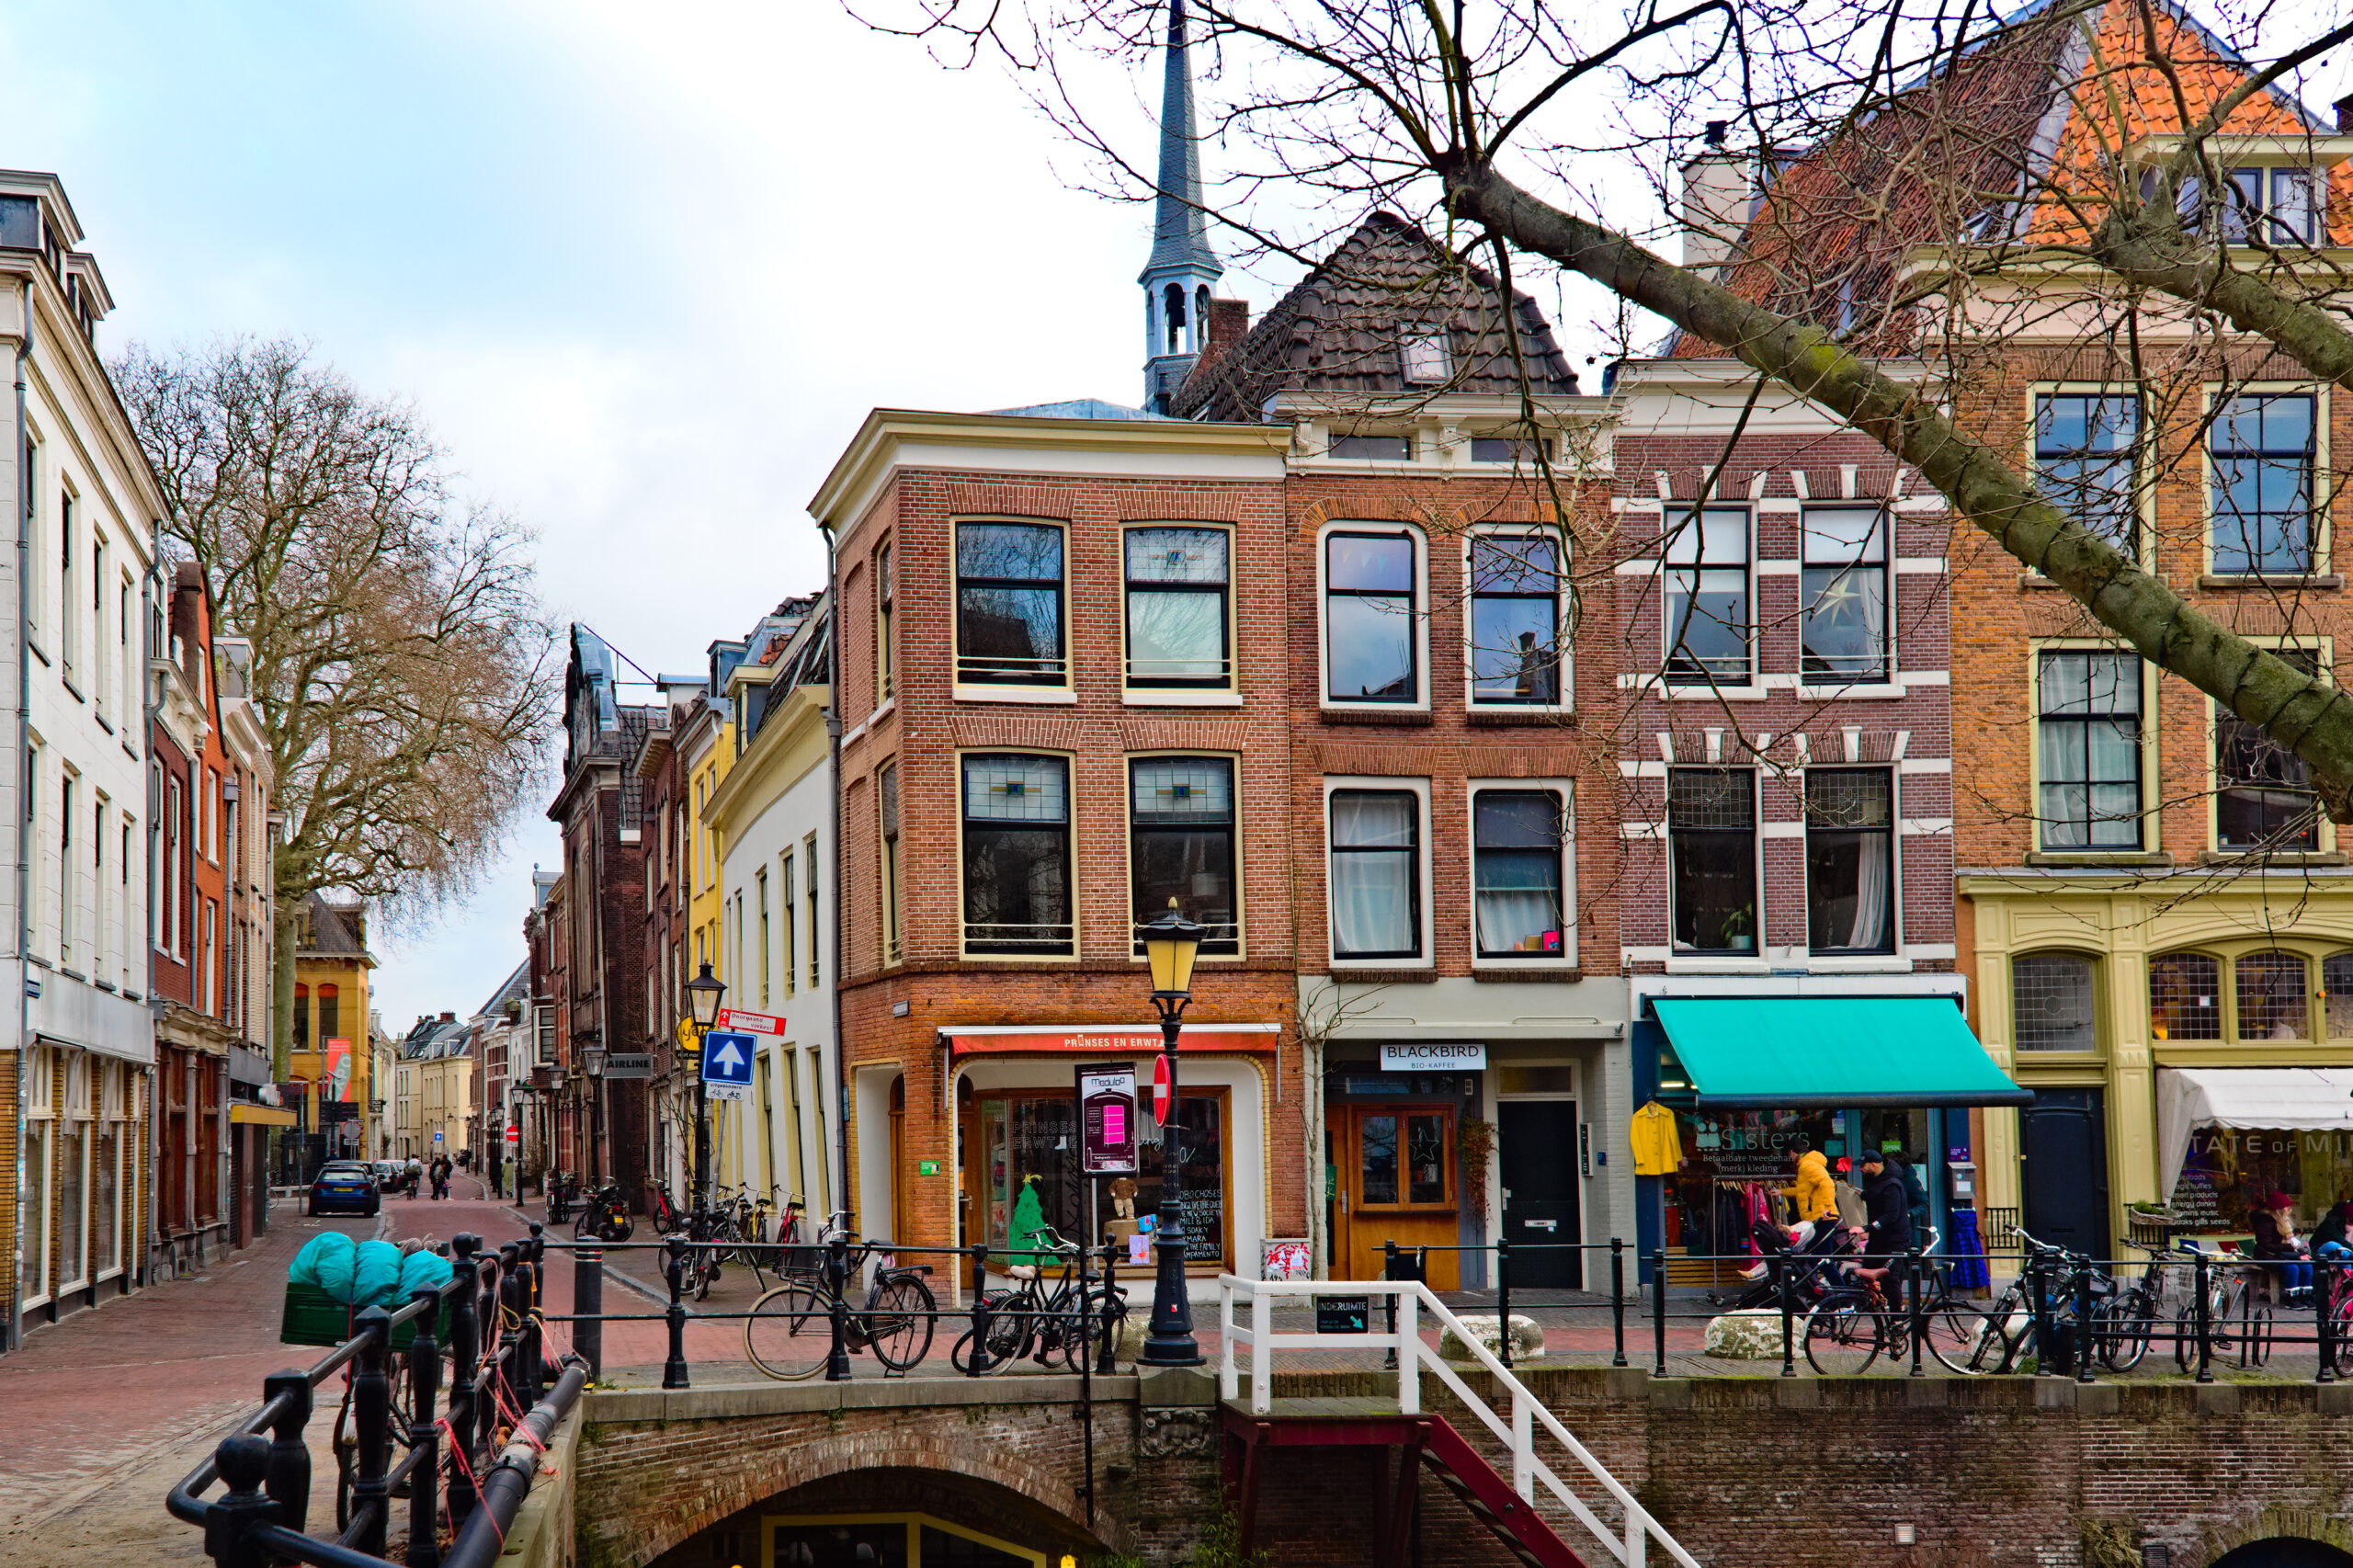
x,y
1177,276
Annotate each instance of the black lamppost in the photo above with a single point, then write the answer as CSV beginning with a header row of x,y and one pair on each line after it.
x,y
703,993
1170,944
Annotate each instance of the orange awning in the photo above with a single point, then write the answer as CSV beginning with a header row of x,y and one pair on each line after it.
x,y
1105,1039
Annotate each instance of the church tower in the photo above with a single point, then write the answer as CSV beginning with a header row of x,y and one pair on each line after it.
x,y
1178,277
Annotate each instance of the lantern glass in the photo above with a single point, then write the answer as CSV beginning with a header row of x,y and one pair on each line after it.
x,y
1170,945
703,993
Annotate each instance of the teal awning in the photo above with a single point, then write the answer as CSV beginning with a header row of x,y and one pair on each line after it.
x,y
1802,1052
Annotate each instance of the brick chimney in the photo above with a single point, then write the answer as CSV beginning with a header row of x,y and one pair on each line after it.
x,y
1229,324
448,1017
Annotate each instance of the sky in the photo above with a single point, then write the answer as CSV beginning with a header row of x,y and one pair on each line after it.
x,y
643,277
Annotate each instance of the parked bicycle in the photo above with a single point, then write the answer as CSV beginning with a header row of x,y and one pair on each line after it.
x,y
2006,1330
2238,1318
2123,1325
1062,1324
1865,1314
790,1333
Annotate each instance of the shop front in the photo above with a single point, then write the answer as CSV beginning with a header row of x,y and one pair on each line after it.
x,y
1751,1080
1015,1124
2228,1138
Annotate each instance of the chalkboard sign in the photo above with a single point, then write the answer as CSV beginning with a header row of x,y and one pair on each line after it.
x,y
1344,1315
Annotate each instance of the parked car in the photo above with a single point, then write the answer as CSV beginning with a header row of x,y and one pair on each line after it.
x,y
389,1174
344,1186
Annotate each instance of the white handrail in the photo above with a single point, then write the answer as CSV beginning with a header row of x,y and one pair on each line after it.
x,y
1517,1432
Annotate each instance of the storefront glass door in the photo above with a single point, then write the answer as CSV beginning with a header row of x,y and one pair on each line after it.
x,y
1397,1183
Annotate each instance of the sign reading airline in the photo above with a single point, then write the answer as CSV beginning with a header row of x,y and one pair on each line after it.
x,y
727,1064
1433,1058
742,1022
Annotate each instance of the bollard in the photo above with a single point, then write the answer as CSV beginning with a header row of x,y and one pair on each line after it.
x,y
229,1522
1110,1330
1658,1312
2205,1321
424,1434
1502,1300
1784,1292
673,1370
1388,1307
980,1360
1617,1301
289,1452
837,1278
371,1414
588,1306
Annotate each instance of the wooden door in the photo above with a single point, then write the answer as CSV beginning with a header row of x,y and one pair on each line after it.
x,y
1398,1184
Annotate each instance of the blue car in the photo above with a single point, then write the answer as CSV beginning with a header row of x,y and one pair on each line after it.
x,y
344,1186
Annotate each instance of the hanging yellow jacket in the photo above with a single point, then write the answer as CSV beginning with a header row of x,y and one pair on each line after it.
x,y
1658,1147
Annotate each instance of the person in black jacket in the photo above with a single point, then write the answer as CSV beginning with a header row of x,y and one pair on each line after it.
x,y
1887,1206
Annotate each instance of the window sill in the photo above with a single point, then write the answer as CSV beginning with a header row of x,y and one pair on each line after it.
x,y
2260,858
1708,691
1858,963
2096,859
2269,580
1717,963
73,974
66,680
1046,694
1878,689
1519,717
105,723
38,961
1505,974
1397,718
1178,697
1374,974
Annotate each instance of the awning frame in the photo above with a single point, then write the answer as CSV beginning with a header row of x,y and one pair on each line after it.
x,y
1663,1008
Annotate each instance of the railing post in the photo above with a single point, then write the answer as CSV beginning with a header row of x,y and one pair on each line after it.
x,y
1229,1376
289,1482
980,1360
2205,1319
1388,1305
1262,1366
1659,1309
838,1275
1917,1316
1110,1330
673,1370
2324,1302
229,1521
465,1356
1523,1446
1617,1301
371,1414
424,1434
1784,1293
589,1307
2040,1310
2085,1335
1409,1352
1502,1300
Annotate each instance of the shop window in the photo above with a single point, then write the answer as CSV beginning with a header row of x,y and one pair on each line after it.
x,y
1016,856
1031,1138
1180,845
1844,635
1849,861
2336,995
1371,602
2185,997
1010,604
2051,1002
1706,602
2263,796
1517,588
1178,633
1516,837
1711,831
1376,874
1404,1160
2272,1000
2260,448
2087,749
2084,446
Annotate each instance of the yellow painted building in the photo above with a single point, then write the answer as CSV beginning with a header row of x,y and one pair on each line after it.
x,y
331,1054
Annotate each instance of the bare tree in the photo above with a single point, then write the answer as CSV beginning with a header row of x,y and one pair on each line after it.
x,y
400,660
1896,200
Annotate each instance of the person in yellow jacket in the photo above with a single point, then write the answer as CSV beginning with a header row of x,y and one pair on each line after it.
x,y
1816,1198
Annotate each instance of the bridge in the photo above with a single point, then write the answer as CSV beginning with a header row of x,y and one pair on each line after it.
x,y
1283,1446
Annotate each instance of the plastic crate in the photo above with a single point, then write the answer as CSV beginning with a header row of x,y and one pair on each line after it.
x,y
313,1317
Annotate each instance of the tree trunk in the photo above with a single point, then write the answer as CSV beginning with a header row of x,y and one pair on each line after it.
x,y
286,925
2300,712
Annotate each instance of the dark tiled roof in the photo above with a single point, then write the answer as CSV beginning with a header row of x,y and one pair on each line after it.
x,y
331,928
1342,329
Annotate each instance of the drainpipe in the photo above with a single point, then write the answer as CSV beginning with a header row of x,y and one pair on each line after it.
x,y
834,747
15,1324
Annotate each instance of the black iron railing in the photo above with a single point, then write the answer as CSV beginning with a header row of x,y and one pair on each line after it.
x,y
469,1455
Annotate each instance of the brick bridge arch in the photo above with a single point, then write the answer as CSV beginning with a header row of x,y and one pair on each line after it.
x,y
2331,1534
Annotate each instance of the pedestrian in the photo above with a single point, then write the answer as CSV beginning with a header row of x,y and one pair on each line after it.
x,y
2280,1249
1888,1207
441,1169
2334,1224
1916,1194
415,1174
1813,1191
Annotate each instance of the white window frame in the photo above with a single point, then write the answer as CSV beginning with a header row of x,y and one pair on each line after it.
x,y
1707,684
1566,790
1565,667
1420,617
1420,787
1832,684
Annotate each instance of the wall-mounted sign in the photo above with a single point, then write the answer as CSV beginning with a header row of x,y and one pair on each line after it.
x,y
628,1065
742,1022
927,1167
1107,1109
1344,1315
1433,1058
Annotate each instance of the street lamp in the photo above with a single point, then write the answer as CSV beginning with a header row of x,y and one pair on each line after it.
x,y
703,993
1170,945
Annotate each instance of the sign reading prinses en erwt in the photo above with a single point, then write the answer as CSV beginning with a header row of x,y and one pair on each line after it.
x,y
727,1064
1433,1058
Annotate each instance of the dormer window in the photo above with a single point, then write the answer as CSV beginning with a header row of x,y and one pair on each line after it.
x,y
2262,204
1428,359
20,222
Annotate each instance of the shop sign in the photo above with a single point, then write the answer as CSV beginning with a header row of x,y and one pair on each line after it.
x,y
927,1167
1105,1039
1344,1315
1107,1109
628,1065
1433,1058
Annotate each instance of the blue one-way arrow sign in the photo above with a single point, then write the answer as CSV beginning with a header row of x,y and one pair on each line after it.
x,y
727,1064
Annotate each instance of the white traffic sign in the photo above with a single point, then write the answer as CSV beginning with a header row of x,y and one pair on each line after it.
x,y
742,1022
727,1064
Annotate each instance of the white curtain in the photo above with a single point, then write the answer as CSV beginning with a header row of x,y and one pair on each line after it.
x,y
1871,879
1372,872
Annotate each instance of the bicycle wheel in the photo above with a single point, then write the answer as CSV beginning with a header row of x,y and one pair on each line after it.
x,y
898,1321
2184,1338
2121,1332
790,1334
2255,1332
1009,1333
1962,1339
1843,1338
584,1224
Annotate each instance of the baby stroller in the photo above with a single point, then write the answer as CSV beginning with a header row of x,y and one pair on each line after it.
x,y
1812,1267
